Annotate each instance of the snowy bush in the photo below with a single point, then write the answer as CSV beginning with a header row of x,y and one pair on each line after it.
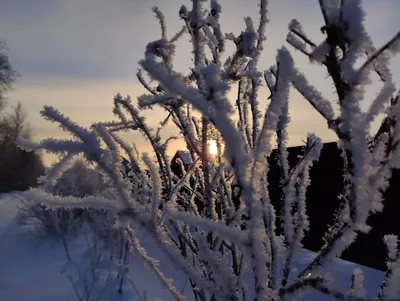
x,y
78,180
217,222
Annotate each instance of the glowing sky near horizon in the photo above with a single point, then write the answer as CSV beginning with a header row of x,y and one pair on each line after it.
x,y
77,54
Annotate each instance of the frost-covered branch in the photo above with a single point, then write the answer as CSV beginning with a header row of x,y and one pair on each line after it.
x,y
213,214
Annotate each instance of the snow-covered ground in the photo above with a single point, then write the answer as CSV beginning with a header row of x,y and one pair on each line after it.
x,y
31,268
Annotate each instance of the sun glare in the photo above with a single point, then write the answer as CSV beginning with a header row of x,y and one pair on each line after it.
x,y
212,147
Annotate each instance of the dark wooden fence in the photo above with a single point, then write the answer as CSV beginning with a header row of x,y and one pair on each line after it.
x,y
322,203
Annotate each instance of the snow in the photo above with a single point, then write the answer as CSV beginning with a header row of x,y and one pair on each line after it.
x,y
32,267
185,157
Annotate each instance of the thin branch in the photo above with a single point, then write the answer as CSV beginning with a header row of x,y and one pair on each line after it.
x,y
323,11
373,57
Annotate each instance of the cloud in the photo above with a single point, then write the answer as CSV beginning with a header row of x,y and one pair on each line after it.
x,y
106,38
91,38
76,55
87,101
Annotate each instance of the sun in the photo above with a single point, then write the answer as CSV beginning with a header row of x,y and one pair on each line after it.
x,y
212,147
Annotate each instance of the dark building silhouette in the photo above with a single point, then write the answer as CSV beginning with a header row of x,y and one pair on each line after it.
x,y
186,162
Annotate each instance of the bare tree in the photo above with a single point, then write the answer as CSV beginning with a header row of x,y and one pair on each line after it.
x,y
7,73
19,170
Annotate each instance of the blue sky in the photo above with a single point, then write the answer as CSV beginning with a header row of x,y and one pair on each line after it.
x,y
77,54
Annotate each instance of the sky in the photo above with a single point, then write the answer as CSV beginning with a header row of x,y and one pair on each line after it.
x,y
76,55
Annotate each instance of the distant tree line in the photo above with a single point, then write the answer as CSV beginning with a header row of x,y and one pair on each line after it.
x,y
19,169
